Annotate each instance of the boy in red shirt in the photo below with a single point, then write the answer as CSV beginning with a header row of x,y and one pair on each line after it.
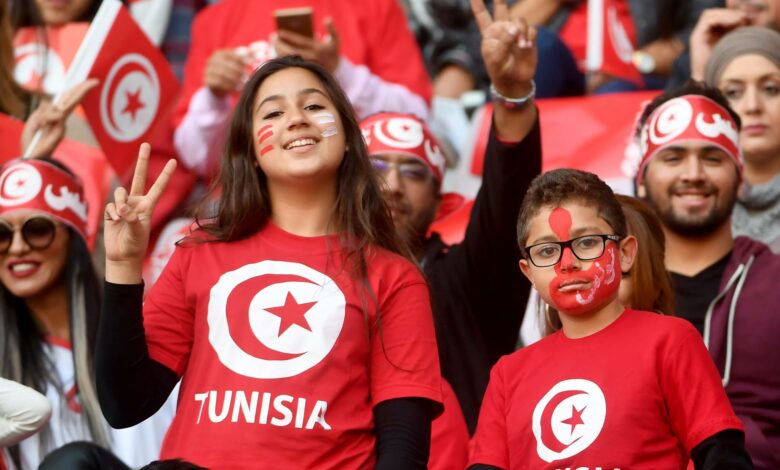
x,y
614,388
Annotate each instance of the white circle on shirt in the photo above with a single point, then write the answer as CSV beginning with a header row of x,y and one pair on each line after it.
x,y
296,322
568,419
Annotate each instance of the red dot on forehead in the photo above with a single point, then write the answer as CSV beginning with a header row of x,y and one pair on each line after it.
x,y
560,222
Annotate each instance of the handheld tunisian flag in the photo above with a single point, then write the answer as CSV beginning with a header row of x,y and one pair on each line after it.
x,y
611,40
137,86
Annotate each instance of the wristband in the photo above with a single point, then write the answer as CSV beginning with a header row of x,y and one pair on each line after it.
x,y
513,103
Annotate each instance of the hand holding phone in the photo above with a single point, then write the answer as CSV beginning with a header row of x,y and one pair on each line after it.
x,y
325,51
297,20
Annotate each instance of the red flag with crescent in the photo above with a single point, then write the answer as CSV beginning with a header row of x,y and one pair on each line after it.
x,y
137,85
611,39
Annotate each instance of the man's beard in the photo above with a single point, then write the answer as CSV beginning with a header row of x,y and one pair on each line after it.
x,y
697,225
412,230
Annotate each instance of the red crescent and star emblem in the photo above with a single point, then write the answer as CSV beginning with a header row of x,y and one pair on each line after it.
x,y
568,419
129,98
274,319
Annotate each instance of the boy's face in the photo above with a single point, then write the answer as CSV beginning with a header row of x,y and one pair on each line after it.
x,y
573,286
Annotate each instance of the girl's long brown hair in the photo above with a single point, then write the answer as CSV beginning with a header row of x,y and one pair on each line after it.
x,y
241,189
12,96
651,285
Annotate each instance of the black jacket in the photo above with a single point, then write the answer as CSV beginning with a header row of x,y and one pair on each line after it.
x,y
478,292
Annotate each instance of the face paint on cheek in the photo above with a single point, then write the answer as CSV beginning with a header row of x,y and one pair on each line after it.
x,y
263,134
327,121
603,280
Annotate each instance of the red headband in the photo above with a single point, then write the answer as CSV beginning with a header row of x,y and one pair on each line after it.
x,y
690,118
405,134
40,186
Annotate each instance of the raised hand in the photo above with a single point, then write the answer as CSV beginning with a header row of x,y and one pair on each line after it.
x,y
127,221
712,25
49,118
225,72
508,48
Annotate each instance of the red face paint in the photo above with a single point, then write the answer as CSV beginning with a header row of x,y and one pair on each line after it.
x,y
600,281
263,134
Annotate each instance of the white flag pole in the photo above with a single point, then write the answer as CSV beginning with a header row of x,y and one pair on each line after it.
x,y
84,58
594,55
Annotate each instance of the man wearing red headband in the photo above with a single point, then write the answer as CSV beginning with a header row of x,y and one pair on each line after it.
x,y
690,174
478,292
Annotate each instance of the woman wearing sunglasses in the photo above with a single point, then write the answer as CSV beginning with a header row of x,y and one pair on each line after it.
x,y
49,309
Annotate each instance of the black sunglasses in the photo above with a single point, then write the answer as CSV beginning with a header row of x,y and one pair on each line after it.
x,y
37,232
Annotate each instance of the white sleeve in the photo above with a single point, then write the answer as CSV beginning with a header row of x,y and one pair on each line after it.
x,y
23,411
199,137
153,16
370,94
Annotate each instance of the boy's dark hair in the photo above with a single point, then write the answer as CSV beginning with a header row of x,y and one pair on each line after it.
x,y
173,464
691,87
556,187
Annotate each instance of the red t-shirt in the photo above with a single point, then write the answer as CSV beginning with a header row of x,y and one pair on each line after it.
x,y
373,33
280,367
639,394
449,434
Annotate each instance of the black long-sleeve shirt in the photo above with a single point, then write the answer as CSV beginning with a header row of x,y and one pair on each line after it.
x,y
478,293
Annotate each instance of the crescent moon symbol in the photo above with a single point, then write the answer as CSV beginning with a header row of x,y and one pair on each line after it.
x,y
238,317
125,70
548,437
391,140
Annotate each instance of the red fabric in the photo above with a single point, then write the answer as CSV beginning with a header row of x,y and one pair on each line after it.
x,y
640,393
88,163
574,32
617,38
372,32
449,434
618,42
40,186
46,57
690,118
137,90
286,319
398,133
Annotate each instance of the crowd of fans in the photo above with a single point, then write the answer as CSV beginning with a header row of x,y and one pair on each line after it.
x,y
274,295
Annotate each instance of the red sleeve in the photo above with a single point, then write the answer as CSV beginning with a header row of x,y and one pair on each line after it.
x,y
404,357
169,318
491,439
449,434
697,403
201,48
395,55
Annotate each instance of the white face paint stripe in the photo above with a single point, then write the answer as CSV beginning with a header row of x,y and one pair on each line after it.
x,y
324,118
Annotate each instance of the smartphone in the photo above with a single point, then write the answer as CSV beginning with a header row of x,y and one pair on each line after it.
x,y
297,20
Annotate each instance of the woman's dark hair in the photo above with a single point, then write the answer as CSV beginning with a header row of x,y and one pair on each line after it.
x,y
22,356
243,204
25,13
13,98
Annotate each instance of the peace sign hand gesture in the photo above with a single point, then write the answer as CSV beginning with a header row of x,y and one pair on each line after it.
x,y
508,49
127,221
